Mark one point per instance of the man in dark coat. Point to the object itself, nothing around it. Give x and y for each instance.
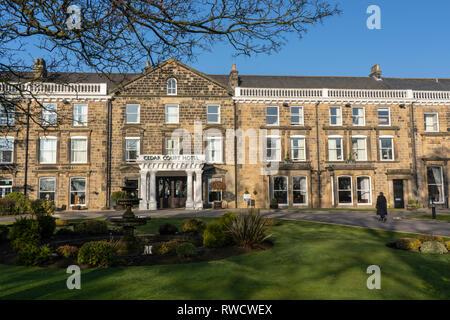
(382, 207)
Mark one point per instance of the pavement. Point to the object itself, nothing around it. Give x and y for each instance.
(397, 220)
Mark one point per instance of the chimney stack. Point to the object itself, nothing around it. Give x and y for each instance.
(39, 69)
(234, 77)
(376, 72)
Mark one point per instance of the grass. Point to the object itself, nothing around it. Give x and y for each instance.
(309, 261)
(440, 217)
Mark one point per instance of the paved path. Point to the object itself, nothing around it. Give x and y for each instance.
(365, 219)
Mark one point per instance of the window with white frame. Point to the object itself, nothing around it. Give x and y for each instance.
(280, 190)
(435, 181)
(273, 148)
(47, 150)
(78, 191)
(172, 146)
(5, 187)
(49, 115)
(172, 86)
(431, 122)
(80, 114)
(298, 148)
(358, 116)
(384, 116)
(359, 148)
(6, 149)
(297, 117)
(335, 116)
(386, 148)
(132, 147)
(47, 188)
(272, 115)
(214, 195)
(7, 115)
(335, 148)
(213, 114)
(78, 149)
(364, 190)
(345, 190)
(214, 149)
(172, 113)
(132, 113)
(299, 191)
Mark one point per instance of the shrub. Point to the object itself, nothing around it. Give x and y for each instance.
(64, 232)
(169, 247)
(41, 207)
(249, 230)
(67, 251)
(193, 225)
(24, 231)
(433, 247)
(7, 207)
(47, 225)
(91, 227)
(227, 217)
(61, 223)
(447, 245)
(186, 250)
(33, 255)
(21, 202)
(97, 254)
(426, 238)
(214, 236)
(4, 230)
(270, 222)
(408, 244)
(167, 229)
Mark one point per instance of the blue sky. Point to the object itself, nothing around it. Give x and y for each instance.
(414, 41)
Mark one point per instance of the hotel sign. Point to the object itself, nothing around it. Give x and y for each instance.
(173, 158)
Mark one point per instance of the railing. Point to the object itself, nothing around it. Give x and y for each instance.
(432, 95)
(54, 88)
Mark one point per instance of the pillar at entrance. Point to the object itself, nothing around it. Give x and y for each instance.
(189, 202)
(152, 201)
(143, 202)
(198, 190)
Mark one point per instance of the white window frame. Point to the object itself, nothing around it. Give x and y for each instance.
(301, 137)
(172, 91)
(166, 148)
(4, 187)
(442, 185)
(363, 116)
(72, 149)
(306, 191)
(85, 192)
(138, 113)
(209, 150)
(10, 117)
(46, 113)
(287, 189)
(301, 116)
(278, 116)
(12, 150)
(54, 191)
(338, 124)
(342, 147)
(210, 180)
(278, 158)
(365, 146)
(351, 190)
(208, 113)
(138, 147)
(40, 149)
(381, 149)
(437, 121)
(167, 106)
(76, 123)
(370, 191)
(378, 116)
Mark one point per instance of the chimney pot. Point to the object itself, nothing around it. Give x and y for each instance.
(234, 77)
(376, 72)
(39, 69)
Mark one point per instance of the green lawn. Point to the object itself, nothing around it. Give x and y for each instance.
(309, 261)
(441, 217)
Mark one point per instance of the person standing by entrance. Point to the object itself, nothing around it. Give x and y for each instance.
(382, 207)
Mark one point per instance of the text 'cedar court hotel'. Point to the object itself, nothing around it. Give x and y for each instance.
(171, 131)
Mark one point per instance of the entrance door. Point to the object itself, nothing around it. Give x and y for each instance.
(399, 202)
(171, 192)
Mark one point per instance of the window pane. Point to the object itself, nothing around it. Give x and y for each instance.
(299, 190)
(80, 114)
(132, 113)
(271, 115)
(383, 116)
(363, 188)
(344, 190)
(47, 150)
(6, 116)
(172, 114)
(77, 191)
(280, 189)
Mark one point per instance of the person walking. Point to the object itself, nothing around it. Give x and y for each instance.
(382, 207)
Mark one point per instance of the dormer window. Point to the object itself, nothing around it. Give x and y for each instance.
(172, 86)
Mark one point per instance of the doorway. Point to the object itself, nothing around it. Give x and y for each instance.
(399, 200)
(171, 192)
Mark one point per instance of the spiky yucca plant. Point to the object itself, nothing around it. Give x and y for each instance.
(248, 230)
